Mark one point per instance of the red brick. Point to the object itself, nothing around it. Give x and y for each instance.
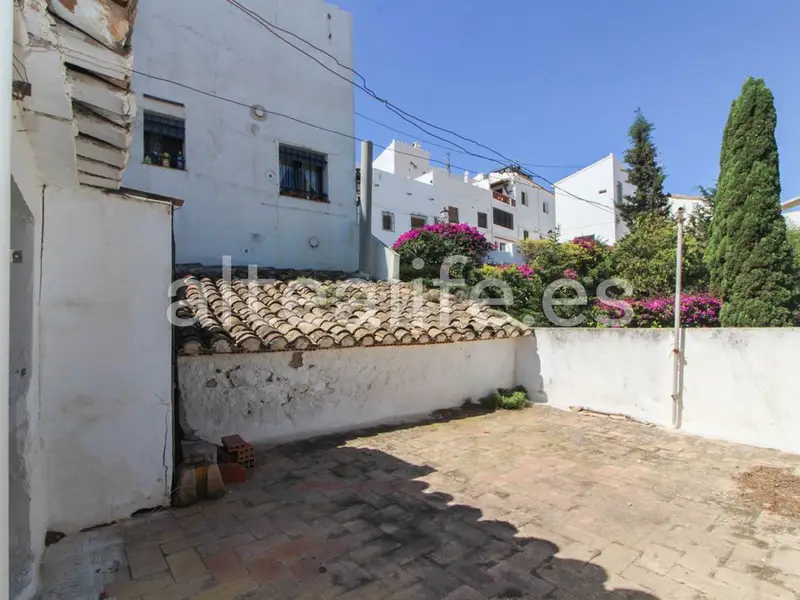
(226, 567)
(233, 473)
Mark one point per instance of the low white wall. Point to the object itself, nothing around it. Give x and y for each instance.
(106, 403)
(742, 385)
(739, 385)
(625, 371)
(283, 396)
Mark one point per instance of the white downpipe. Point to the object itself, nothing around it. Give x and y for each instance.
(6, 106)
(677, 358)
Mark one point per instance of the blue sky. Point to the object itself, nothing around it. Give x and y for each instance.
(556, 83)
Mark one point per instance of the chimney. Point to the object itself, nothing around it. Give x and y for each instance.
(466, 176)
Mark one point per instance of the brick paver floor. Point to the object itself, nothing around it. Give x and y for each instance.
(532, 504)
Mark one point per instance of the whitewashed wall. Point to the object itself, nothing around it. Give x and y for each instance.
(739, 385)
(292, 395)
(231, 183)
(27, 484)
(106, 404)
(596, 183)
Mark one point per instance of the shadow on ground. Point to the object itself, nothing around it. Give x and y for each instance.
(381, 533)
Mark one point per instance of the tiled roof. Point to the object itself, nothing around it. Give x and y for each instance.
(240, 315)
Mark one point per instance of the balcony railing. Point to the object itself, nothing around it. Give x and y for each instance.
(505, 199)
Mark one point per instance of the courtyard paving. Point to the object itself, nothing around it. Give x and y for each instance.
(533, 504)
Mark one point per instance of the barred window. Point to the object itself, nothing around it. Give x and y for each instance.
(164, 141)
(303, 173)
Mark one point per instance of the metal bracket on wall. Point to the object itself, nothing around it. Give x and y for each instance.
(16, 256)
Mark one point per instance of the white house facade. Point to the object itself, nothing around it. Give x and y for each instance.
(408, 193)
(261, 184)
(587, 200)
(90, 377)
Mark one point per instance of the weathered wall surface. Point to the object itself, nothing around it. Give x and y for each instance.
(231, 182)
(106, 407)
(292, 395)
(739, 385)
(624, 371)
(27, 489)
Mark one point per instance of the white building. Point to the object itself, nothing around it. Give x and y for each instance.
(587, 201)
(262, 188)
(90, 377)
(408, 192)
(791, 212)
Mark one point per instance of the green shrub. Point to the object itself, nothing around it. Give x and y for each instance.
(645, 258)
(526, 289)
(507, 399)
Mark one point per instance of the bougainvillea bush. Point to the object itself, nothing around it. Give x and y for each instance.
(696, 311)
(432, 244)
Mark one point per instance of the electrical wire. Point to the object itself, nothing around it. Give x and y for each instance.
(406, 116)
(98, 62)
(435, 145)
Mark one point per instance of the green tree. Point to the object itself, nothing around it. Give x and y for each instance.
(646, 258)
(645, 173)
(749, 255)
(794, 239)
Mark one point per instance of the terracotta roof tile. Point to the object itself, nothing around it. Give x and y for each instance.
(241, 315)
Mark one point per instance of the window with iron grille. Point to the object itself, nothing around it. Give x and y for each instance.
(418, 221)
(164, 139)
(387, 219)
(452, 214)
(503, 218)
(483, 221)
(303, 173)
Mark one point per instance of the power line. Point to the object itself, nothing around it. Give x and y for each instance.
(392, 107)
(99, 62)
(434, 144)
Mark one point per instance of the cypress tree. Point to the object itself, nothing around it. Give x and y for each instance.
(749, 255)
(645, 173)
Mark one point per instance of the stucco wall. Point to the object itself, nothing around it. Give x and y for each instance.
(577, 218)
(27, 486)
(106, 416)
(282, 396)
(626, 371)
(739, 385)
(231, 183)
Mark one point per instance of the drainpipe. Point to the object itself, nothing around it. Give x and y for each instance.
(677, 358)
(6, 59)
(365, 209)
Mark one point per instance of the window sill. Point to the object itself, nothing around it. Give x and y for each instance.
(304, 196)
(165, 168)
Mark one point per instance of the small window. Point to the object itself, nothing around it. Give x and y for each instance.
(545, 209)
(620, 197)
(303, 173)
(483, 221)
(524, 199)
(164, 141)
(502, 246)
(452, 214)
(525, 234)
(503, 218)
(418, 222)
(388, 221)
